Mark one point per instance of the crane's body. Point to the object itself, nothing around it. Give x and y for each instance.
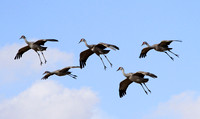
(36, 46)
(98, 49)
(60, 72)
(137, 77)
(161, 47)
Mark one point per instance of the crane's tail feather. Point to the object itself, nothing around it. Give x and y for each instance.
(106, 51)
(43, 48)
(145, 80)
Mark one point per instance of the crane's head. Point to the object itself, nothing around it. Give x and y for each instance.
(120, 68)
(22, 37)
(82, 40)
(46, 72)
(144, 43)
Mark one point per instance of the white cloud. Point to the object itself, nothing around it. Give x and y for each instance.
(29, 63)
(44, 99)
(48, 100)
(183, 106)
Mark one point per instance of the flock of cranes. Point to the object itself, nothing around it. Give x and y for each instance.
(99, 49)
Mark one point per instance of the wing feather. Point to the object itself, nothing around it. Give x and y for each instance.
(46, 76)
(21, 51)
(69, 67)
(144, 51)
(139, 73)
(123, 87)
(167, 42)
(105, 45)
(84, 56)
(43, 41)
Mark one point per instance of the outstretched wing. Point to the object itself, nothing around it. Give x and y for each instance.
(21, 51)
(105, 45)
(46, 76)
(84, 56)
(123, 87)
(167, 42)
(140, 73)
(67, 68)
(43, 41)
(144, 52)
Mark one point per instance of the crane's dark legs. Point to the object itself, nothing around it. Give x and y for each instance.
(39, 57)
(147, 87)
(144, 89)
(43, 57)
(169, 56)
(108, 60)
(173, 53)
(73, 76)
(102, 62)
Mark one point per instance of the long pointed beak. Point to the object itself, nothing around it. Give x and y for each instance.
(44, 73)
(79, 41)
(117, 69)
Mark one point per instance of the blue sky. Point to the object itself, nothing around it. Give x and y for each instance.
(123, 23)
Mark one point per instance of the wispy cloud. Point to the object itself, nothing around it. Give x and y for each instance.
(183, 106)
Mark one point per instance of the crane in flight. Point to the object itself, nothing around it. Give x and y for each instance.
(60, 72)
(98, 49)
(137, 77)
(36, 46)
(161, 47)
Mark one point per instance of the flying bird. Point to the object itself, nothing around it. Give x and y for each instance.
(36, 46)
(137, 77)
(60, 72)
(161, 47)
(98, 49)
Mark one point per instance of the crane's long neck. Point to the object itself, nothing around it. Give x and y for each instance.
(124, 73)
(26, 40)
(147, 44)
(86, 44)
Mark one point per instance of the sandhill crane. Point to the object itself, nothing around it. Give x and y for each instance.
(36, 46)
(60, 72)
(137, 77)
(98, 49)
(161, 47)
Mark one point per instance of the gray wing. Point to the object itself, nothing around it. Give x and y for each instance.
(67, 68)
(123, 87)
(105, 45)
(46, 76)
(142, 73)
(144, 51)
(43, 41)
(84, 56)
(21, 51)
(167, 42)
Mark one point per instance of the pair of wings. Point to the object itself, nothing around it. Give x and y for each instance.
(163, 43)
(61, 70)
(85, 54)
(22, 50)
(125, 83)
